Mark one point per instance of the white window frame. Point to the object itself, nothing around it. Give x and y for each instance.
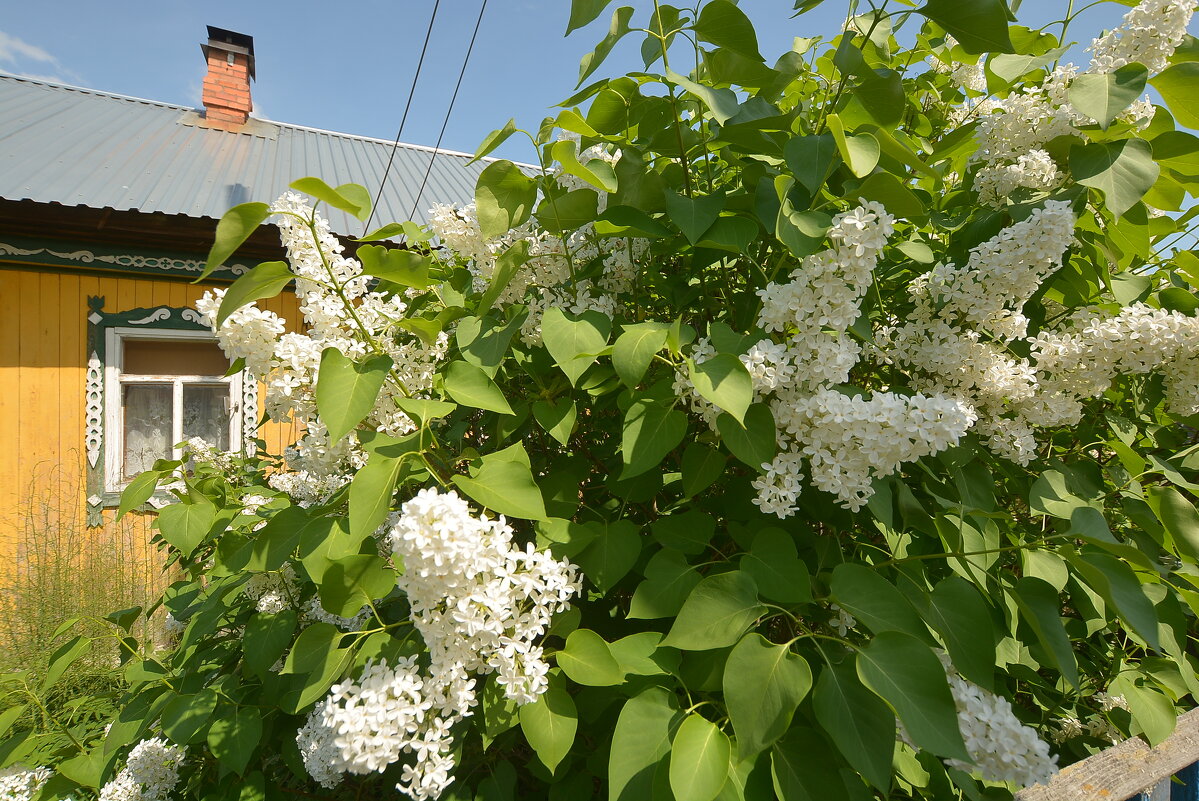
(114, 407)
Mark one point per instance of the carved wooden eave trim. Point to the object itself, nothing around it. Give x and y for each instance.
(62, 255)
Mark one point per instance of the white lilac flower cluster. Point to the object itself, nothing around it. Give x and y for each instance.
(1032, 170)
(1012, 126)
(19, 783)
(955, 347)
(150, 774)
(550, 276)
(954, 341)
(480, 602)
(341, 312)
(594, 153)
(251, 502)
(546, 280)
(842, 621)
(825, 291)
(313, 612)
(306, 488)
(1097, 726)
(458, 229)
(478, 599)
(1013, 130)
(1001, 748)
(1065, 729)
(849, 440)
(366, 725)
(173, 627)
(201, 450)
(274, 591)
(1149, 34)
(1101, 728)
(553, 275)
(971, 77)
(843, 440)
(1109, 703)
(1000, 275)
(1082, 360)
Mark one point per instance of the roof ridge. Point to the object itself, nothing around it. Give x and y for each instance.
(89, 91)
(379, 140)
(178, 107)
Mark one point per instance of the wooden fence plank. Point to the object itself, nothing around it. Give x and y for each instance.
(1123, 770)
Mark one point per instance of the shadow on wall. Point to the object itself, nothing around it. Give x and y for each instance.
(54, 568)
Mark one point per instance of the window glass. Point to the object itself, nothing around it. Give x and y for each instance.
(206, 413)
(174, 357)
(147, 434)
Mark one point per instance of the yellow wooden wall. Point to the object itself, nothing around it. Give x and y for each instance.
(43, 343)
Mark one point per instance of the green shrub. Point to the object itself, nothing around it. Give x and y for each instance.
(804, 429)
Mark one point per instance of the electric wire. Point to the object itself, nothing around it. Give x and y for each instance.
(449, 110)
(403, 119)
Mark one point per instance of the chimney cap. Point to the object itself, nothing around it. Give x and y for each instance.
(225, 40)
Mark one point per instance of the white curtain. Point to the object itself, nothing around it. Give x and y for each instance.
(147, 426)
(206, 413)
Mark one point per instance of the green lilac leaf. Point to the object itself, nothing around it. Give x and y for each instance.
(716, 613)
(233, 229)
(907, 674)
(699, 759)
(346, 390)
(264, 281)
(763, 686)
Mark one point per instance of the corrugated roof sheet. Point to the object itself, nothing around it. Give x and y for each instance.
(81, 147)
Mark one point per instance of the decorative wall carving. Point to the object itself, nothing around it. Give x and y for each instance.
(122, 260)
(249, 411)
(94, 395)
(156, 316)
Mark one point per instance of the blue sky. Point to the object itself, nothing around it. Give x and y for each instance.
(348, 66)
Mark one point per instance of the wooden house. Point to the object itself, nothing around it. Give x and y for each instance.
(107, 209)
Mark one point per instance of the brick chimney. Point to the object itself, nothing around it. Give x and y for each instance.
(226, 94)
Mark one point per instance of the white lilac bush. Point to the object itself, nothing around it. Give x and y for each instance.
(813, 429)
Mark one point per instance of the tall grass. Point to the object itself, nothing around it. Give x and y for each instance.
(56, 568)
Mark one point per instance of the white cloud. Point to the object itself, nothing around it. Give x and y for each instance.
(13, 50)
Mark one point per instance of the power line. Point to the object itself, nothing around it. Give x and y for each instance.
(448, 111)
(403, 119)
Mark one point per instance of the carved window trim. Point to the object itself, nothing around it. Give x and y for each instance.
(105, 331)
(115, 382)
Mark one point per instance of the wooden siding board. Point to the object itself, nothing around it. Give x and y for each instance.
(177, 295)
(47, 472)
(38, 380)
(11, 289)
(72, 384)
(122, 298)
(30, 386)
(144, 293)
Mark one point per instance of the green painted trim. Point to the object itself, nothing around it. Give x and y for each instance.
(98, 323)
(102, 258)
(159, 317)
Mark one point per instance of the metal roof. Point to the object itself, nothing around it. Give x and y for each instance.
(81, 147)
